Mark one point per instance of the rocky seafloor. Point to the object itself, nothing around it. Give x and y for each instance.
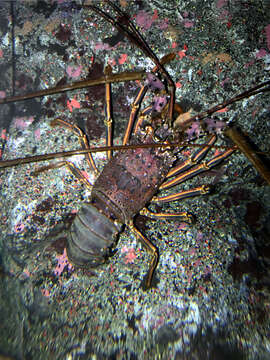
(210, 296)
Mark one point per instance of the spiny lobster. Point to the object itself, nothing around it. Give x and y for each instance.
(145, 163)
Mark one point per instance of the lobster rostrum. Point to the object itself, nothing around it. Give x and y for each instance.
(146, 164)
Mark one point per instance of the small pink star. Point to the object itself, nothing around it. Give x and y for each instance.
(130, 256)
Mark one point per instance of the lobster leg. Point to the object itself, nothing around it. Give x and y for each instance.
(184, 216)
(197, 169)
(152, 249)
(83, 140)
(70, 166)
(200, 190)
(141, 117)
(134, 110)
(193, 159)
(108, 112)
(137, 102)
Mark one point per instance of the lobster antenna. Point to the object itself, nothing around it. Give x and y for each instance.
(135, 37)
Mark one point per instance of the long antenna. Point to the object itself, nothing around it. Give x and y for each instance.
(129, 30)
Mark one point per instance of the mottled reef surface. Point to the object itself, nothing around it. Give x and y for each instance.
(210, 297)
